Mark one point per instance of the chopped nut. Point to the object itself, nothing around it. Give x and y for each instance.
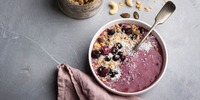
(147, 9)
(121, 4)
(150, 7)
(104, 79)
(107, 43)
(134, 30)
(80, 2)
(128, 26)
(138, 5)
(100, 40)
(112, 65)
(138, 37)
(97, 46)
(118, 28)
(133, 26)
(138, 2)
(137, 31)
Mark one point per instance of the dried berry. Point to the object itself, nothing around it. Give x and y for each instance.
(105, 50)
(128, 31)
(96, 54)
(135, 15)
(119, 45)
(111, 31)
(116, 57)
(125, 15)
(114, 50)
(102, 71)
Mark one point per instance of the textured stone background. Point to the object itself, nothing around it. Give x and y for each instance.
(27, 73)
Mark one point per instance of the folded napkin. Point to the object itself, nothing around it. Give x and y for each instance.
(75, 85)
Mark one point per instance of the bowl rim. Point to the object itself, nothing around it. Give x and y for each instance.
(154, 32)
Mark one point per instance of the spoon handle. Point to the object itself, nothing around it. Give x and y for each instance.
(140, 43)
(161, 17)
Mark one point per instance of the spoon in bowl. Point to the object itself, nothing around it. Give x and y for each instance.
(161, 17)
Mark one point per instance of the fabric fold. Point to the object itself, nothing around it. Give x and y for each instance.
(76, 85)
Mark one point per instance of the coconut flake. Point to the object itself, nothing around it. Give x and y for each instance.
(146, 46)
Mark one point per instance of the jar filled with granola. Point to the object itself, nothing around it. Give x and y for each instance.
(80, 9)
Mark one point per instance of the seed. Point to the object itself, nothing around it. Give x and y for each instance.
(125, 15)
(135, 15)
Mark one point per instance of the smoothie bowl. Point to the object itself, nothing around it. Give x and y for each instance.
(117, 67)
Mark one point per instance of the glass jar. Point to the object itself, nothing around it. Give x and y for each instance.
(80, 10)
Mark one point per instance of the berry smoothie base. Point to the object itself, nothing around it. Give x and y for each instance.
(118, 67)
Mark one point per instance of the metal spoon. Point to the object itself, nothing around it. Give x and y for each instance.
(162, 16)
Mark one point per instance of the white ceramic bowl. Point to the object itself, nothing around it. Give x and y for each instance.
(138, 23)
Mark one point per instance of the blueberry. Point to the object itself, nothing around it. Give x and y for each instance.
(123, 58)
(112, 74)
(114, 50)
(119, 45)
(107, 58)
(123, 29)
(111, 31)
(133, 36)
(142, 30)
(120, 53)
(116, 57)
(128, 31)
(102, 71)
(96, 54)
(105, 50)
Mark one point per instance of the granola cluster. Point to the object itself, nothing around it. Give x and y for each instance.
(81, 2)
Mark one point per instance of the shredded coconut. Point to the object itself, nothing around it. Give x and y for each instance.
(146, 46)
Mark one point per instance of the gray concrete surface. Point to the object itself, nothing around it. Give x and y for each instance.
(27, 73)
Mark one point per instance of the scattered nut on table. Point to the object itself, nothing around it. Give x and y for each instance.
(129, 3)
(114, 7)
(135, 15)
(125, 15)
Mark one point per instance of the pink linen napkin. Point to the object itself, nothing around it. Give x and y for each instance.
(75, 85)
